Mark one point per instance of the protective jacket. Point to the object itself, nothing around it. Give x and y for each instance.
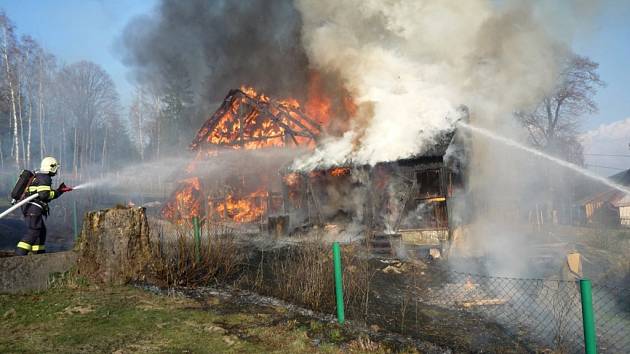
(34, 212)
(42, 185)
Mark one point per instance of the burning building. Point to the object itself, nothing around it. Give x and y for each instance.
(408, 196)
(245, 121)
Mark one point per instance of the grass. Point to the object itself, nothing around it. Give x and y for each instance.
(87, 319)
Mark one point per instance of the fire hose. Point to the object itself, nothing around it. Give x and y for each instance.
(19, 204)
(28, 199)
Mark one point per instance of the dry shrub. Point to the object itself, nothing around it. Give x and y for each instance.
(300, 274)
(364, 344)
(303, 274)
(179, 263)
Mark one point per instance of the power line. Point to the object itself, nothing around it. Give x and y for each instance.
(611, 155)
(610, 168)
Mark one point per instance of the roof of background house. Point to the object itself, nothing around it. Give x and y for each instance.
(606, 194)
(622, 178)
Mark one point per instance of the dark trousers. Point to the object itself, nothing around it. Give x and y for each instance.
(35, 237)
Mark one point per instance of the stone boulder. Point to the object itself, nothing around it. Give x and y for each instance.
(114, 246)
(33, 272)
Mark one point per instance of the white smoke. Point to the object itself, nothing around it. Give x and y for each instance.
(410, 64)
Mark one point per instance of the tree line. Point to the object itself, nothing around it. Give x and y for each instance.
(70, 111)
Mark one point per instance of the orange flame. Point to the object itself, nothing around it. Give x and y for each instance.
(318, 105)
(251, 120)
(246, 209)
(241, 126)
(186, 203)
(291, 179)
(339, 171)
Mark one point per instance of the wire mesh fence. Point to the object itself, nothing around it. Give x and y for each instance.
(612, 318)
(540, 314)
(461, 311)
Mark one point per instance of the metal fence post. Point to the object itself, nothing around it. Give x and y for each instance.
(197, 233)
(338, 282)
(588, 319)
(75, 220)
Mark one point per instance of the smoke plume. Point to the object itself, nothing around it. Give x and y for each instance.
(218, 45)
(410, 64)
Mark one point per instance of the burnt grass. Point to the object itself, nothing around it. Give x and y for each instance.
(396, 306)
(388, 305)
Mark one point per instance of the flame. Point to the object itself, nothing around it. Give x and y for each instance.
(242, 127)
(186, 201)
(318, 105)
(339, 171)
(291, 179)
(249, 120)
(246, 209)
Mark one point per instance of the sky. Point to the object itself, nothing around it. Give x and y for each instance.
(89, 30)
(76, 30)
(607, 132)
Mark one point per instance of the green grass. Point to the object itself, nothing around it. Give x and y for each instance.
(87, 319)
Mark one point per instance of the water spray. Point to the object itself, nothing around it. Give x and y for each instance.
(84, 185)
(493, 136)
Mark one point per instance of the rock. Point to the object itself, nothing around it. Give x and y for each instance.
(33, 272)
(114, 246)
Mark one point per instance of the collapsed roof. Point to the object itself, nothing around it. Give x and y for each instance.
(247, 120)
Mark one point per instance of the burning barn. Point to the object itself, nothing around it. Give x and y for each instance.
(245, 121)
(408, 196)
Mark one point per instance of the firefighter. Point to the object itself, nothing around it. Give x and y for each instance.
(36, 210)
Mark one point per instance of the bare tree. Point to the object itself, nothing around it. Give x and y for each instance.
(8, 49)
(73, 111)
(145, 114)
(139, 117)
(90, 96)
(553, 124)
(30, 51)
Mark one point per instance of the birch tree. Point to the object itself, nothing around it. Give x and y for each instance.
(8, 50)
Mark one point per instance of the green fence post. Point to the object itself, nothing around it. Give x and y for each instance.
(197, 232)
(338, 282)
(75, 220)
(588, 319)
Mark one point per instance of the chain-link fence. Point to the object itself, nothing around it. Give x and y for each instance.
(423, 300)
(612, 318)
(543, 313)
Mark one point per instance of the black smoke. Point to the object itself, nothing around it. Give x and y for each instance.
(206, 47)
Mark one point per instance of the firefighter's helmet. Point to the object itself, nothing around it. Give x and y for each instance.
(49, 165)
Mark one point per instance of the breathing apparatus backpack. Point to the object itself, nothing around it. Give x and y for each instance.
(25, 179)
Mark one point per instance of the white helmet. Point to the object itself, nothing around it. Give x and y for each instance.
(50, 165)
